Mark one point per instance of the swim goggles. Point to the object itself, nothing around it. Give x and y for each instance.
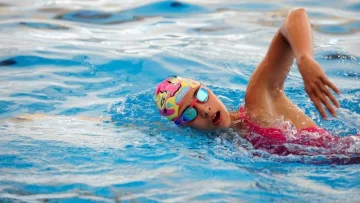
(190, 112)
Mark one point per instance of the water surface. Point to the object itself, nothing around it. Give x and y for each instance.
(68, 61)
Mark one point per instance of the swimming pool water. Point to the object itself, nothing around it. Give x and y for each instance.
(87, 70)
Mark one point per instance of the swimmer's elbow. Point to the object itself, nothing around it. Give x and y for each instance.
(293, 18)
(296, 14)
(297, 10)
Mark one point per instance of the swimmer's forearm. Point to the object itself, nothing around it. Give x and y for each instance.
(297, 30)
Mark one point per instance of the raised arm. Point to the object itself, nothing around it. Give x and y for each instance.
(297, 31)
(294, 41)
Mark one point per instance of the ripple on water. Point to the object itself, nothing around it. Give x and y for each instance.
(27, 61)
(353, 7)
(6, 106)
(258, 6)
(7, 62)
(314, 14)
(214, 30)
(38, 25)
(339, 56)
(164, 8)
(35, 25)
(311, 3)
(344, 28)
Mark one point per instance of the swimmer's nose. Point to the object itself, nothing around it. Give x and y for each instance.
(203, 109)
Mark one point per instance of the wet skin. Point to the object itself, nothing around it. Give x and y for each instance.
(265, 99)
(206, 119)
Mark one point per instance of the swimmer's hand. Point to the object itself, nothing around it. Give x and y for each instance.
(317, 85)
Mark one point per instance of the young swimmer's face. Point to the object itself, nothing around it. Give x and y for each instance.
(211, 115)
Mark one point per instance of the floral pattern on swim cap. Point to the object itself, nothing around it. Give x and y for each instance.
(170, 92)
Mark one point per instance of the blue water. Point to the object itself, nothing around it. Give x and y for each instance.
(85, 71)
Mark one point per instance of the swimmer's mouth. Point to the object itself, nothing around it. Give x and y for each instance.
(217, 118)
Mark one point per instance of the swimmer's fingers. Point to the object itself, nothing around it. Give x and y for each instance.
(331, 85)
(317, 104)
(324, 100)
(327, 92)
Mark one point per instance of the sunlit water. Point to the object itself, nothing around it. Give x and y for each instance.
(73, 60)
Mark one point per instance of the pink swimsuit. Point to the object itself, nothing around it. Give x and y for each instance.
(274, 140)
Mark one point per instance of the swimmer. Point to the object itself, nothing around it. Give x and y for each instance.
(189, 103)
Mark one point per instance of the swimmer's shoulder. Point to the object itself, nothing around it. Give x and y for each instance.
(257, 114)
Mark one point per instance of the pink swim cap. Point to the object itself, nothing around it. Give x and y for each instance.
(170, 92)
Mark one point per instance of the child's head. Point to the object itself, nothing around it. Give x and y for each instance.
(189, 103)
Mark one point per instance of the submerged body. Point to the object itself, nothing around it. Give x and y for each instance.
(275, 139)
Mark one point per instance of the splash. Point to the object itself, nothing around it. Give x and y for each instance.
(311, 145)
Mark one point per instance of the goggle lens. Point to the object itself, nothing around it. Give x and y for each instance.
(189, 115)
(202, 95)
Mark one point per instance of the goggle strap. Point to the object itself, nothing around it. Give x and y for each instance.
(192, 103)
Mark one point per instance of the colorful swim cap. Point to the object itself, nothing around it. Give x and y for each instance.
(170, 92)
